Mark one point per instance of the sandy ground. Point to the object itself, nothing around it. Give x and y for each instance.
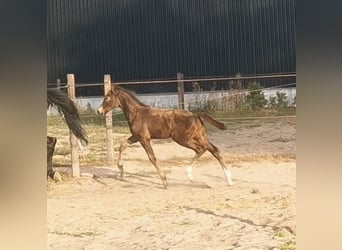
(258, 212)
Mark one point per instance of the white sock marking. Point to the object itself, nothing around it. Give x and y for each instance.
(189, 173)
(229, 177)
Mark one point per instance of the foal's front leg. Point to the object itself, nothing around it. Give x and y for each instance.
(123, 147)
(148, 148)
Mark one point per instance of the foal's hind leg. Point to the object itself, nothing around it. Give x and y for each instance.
(215, 152)
(189, 168)
(148, 148)
(123, 147)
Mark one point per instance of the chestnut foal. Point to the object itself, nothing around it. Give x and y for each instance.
(146, 123)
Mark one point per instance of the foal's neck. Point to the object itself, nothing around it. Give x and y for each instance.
(129, 106)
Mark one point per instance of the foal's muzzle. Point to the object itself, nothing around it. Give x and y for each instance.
(100, 111)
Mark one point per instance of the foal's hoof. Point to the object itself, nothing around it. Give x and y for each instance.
(119, 176)
(121, 171)
(57, 176)
(164, 183)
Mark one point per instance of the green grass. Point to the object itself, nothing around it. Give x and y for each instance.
(285, 243)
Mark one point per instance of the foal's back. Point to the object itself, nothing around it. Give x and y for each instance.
(165, 123)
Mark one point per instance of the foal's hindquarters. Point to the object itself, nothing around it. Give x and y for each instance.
(195, 138)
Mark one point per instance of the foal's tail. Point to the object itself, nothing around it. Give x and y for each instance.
(212, 121)
(68, 108)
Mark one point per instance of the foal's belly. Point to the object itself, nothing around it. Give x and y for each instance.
(159, 134)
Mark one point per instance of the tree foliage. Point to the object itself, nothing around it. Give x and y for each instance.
(255, 99)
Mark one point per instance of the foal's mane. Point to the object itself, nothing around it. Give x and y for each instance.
(130, 95)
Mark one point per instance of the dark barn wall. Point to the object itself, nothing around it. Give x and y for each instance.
(155, 39)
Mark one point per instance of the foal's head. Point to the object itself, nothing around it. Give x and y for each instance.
(109, 102)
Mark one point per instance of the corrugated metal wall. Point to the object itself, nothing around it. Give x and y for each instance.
(155, 39)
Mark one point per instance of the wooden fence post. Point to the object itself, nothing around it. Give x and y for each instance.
(238, 81)
(58, 83)
(180, 88)
(75, 164)
(109, 123)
